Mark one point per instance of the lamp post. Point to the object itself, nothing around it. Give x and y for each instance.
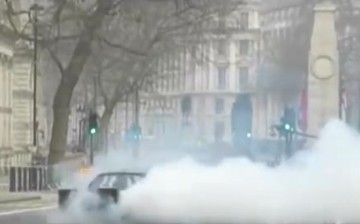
(136, 123)
(126, 112)
(35, 8)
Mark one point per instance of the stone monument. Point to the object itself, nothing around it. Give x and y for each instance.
(323, 78)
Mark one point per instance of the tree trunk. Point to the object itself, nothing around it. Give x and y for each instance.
(61, 110)
(61, 106)
(104, 124)
(69, 79)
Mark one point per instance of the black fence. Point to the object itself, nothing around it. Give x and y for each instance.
(23, 179)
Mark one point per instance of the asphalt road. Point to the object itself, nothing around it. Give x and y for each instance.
(46, 215)
(29, 216)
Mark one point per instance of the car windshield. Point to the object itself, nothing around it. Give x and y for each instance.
(119, 181)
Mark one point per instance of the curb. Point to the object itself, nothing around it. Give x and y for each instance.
(33, 198)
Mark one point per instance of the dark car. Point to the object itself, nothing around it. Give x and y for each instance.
(107, 186)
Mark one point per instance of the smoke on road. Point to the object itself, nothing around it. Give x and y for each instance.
(317, 185)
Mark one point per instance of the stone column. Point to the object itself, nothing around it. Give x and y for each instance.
(323, 78)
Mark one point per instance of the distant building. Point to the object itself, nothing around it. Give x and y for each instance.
(194, 102)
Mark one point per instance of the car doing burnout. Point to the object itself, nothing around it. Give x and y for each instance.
(107, 186)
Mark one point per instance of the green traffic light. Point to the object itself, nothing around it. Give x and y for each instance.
(92, 131)
(287, 127)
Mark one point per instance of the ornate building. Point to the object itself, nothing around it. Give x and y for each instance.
(16, 95)
(194, 102)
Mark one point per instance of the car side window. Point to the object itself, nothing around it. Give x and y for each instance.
(108, 181)
(119, 181)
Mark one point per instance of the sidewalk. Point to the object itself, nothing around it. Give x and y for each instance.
(22, 201)
(8, 197)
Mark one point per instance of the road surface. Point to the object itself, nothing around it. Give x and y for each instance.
(27, 216)
(48, 215)
(29, 211)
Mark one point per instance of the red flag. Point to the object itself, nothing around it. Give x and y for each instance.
(303, 110)
(343, 102)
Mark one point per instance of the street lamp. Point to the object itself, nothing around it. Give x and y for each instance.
(136, 124)
(93, 129)
(35, 8)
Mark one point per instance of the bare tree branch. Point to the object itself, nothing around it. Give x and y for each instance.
(122, 47)
(56, 60)
(11, 13)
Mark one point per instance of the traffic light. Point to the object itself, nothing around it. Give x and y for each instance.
(241, 121)
(134, 134)
(93, 123)
(186, 106)
(288, 121)
(248, 135)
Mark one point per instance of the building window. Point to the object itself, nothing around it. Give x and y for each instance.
(244, 20)
(243, 76)
(222, 76)
(219, 131)
(222, 21)
(222, 47)
(219, 106)
(186, 106)
(244, 47)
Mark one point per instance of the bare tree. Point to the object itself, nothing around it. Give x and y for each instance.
(71, 30)
(82, 21)
(148, 33)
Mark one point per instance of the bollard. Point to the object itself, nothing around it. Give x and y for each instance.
(33, 179)
(25, 178)
(41, 178)
(40, 182)
(19, 179)
(45, 178)
(12, 179)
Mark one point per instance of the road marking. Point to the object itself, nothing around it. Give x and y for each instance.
(27, 210)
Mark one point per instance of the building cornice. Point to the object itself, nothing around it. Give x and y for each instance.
(23, 50)
(22, 125)
(197, 93)
(23, 94)
(281, 5)
(6, 151)
(5, 110)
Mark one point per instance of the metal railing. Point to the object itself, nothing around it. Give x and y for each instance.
(18, 173)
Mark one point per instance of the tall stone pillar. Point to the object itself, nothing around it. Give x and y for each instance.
(323, 78)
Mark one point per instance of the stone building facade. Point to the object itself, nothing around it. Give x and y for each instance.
(213, 73)
(16, 96)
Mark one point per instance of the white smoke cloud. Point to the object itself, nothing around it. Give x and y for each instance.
(321, 184)
(318, 185)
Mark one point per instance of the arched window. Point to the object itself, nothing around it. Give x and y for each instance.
(241, 116)
(186, 106)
